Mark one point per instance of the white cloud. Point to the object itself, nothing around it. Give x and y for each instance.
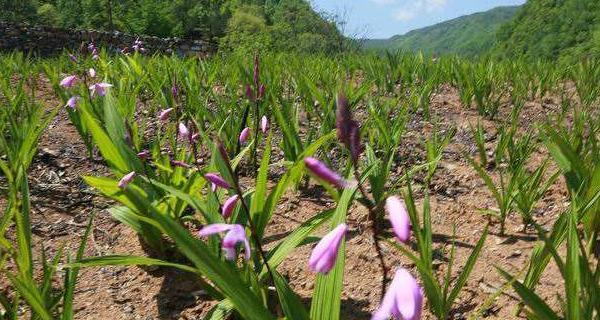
(433, 5)
(404, 14)
(417, 7)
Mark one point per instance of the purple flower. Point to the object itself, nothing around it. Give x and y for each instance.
(164, 114)
(175, 91)
(235, 234)
(323, 256)
(69, 81)
(229, 205)
(126, 179)
(261, 91)
(244, 135)
(144, 155)
(184, 132)
(92, 72)
(399, 218)
(72, 102)
(403, 300)
(73, 58)
(320, 170)
(343, 118)
(217, 180)
(181, 164)
(348, 131)
(264, 124)
(249, 93)
(256, 73)
(99, 88)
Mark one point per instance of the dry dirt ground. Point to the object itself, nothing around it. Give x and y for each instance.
(62, 203)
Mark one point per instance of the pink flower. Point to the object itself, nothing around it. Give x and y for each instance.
(126, 179)
(72, 102)
(163, 115)
(261, 91)
(235, 234)
(92, 72)
(99, 88)
(217, 181)
(403, 300)
(399, 218)
(184, 132)
(322, 172)
(144, 155)
(264, 124)
(69, 81)
(229, 205)
(196, 136)
(244, 135)
(322, 259)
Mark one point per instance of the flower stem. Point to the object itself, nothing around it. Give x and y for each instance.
(374, 230)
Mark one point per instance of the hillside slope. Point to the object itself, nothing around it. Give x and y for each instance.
(551, 29)
(467, 35)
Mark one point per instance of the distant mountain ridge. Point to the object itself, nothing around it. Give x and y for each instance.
(469, 35)
(565, 30)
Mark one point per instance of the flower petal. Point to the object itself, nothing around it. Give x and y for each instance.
(229, 205)
(214, 228)
(408, 295)
(323, 172)
(399, 218)
(323, 256)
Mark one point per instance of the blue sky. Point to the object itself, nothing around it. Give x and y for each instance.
(385, 18)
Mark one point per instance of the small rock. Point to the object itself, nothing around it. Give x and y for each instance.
(516, 253)
(49, 152)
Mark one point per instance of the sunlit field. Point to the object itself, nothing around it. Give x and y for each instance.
(297, 186)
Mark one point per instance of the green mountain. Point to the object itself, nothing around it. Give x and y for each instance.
(552, 29)
(469, 35)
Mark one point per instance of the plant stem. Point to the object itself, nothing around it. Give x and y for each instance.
(256, 124)
(254, 234)
(374, 230)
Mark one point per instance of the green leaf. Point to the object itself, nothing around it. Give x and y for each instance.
(276, 255)
(573, 275)
(326, 300)
(71, 276)
(290, 302)
(258, 199)
(122, 260)
(222, 275)
(222, 311)
(466, 270)
(105, 144)
(30, 293)
(532, 300)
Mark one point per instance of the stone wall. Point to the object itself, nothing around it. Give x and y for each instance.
(47, 41)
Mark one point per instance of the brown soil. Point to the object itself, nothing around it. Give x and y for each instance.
(62, 204)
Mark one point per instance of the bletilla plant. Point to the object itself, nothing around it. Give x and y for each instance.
(202, 153)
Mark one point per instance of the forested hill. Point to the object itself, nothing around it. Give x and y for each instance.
(469, 35)
(289, 25)
(551, 29)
